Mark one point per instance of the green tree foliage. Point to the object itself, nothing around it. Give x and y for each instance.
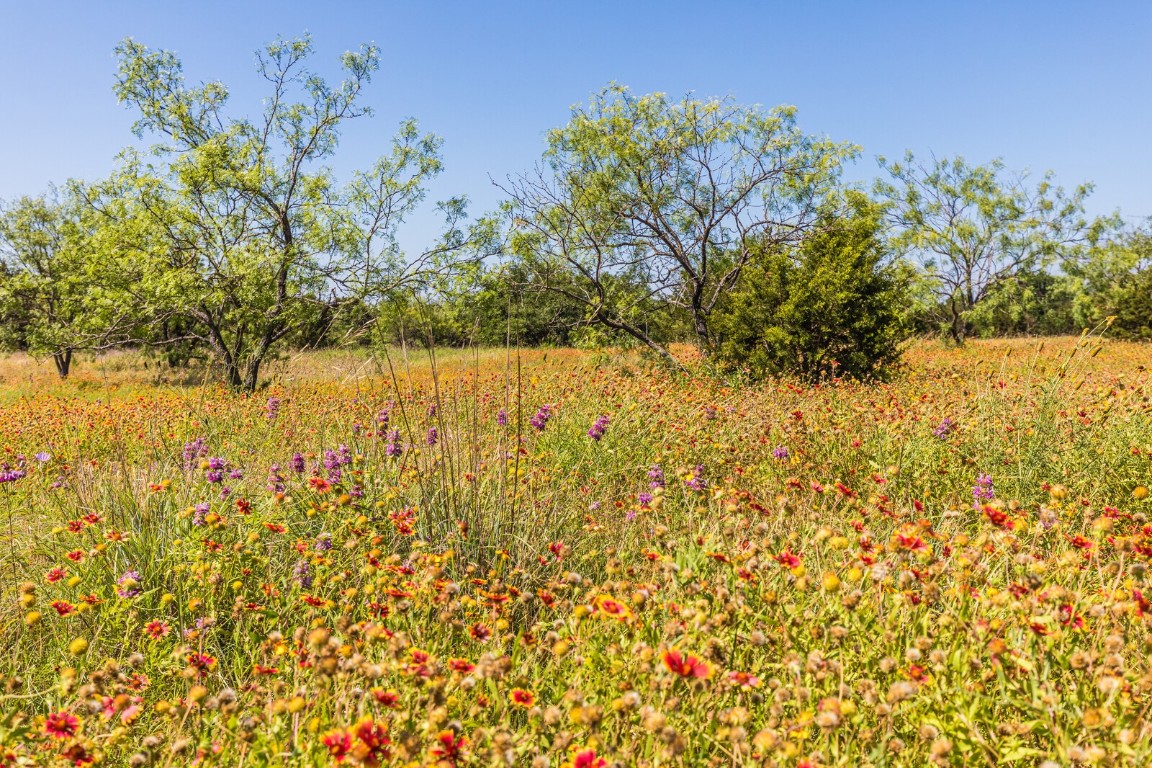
(644, 203)
(48, 292)
(1034, 303)
(976, 228)
(1116, 281)
(834, 305)
(238, 229)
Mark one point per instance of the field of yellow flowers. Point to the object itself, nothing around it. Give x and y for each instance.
(567, 558)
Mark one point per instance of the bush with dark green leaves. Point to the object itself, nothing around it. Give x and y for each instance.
(836, 305)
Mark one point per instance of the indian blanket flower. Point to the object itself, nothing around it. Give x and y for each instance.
(522, 698)
(540, 420)
(686, 665)
(609, 606)
(61, 725)
(449, 747)
(585, 757)
(339, 743)
(372, 747)
(598, 428)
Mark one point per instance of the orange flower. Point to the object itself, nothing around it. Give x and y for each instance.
(687, 665)
(610, 606)
(319, 484)
(522, 698)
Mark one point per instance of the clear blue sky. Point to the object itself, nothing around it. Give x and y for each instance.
(1057, 85)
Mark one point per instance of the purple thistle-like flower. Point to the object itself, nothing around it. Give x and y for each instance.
(275, 479)
(323, 542)
(393, 449)
(214, 476)
(944, 428)
(193, 450)
(236, 474)
(335, 475)
(272, 409)
(302, 573)
(225, 492)
(198, 513)
(780, 452)
(344, 455)
(128, 585)
(42, 457)
(983, 490)
(540, 420)
(217, 463)
(597, 430)
(656, 477)
(502, 418)
(644, 498)
(432, 437)
(11, 475)
(383, 417)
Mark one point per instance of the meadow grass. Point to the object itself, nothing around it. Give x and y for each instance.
(556, 557)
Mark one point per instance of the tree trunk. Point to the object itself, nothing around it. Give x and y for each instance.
(63, 362)
(252, 375)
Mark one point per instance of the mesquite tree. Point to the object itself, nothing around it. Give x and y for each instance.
(238, 227)
(643, 202)
(974, 228)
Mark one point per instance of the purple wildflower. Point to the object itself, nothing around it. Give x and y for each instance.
(502, 418)
(780, 452)
(697, 481)
(198, 513)
(433, 436)
(597, 430)
(944, 428)
(298, 463)
(656, 477)
(983, 490)
(540, 420)
(128, 585)
(272, 410)
(42, 457)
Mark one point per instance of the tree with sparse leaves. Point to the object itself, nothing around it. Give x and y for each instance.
(644, 203)
(237, 227)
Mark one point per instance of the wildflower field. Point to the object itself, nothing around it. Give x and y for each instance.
(558, 557)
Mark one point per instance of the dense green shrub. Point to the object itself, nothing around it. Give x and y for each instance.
(836, 305)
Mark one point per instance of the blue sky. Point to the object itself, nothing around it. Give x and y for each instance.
(1045, 85)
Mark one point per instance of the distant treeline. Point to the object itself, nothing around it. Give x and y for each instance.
(649, 220)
